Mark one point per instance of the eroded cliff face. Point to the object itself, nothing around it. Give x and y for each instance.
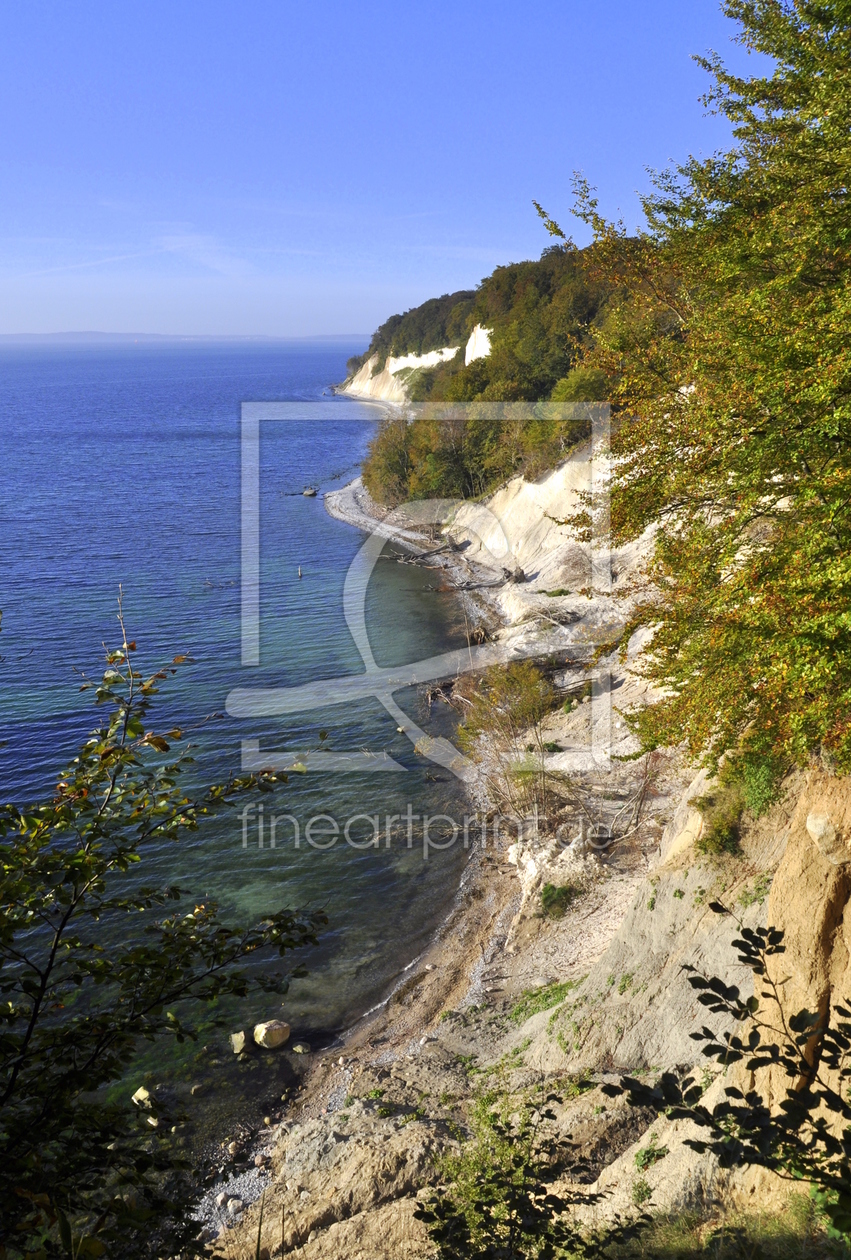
(811, 898)
(348, 1173)
(803, 847)
(478, 345)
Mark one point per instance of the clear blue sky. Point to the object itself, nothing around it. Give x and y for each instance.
(268, 167)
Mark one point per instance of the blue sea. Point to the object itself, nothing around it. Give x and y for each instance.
(121, 470)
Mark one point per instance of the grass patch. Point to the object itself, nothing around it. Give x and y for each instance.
(757, 893)
(797, 1230)
(557, 899)
(536, 1000)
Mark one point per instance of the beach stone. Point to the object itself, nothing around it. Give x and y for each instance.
(271, 1034)
(237, 1041)
(235, 1206)
(142, 1098)
(301, 1047)
(222, 1198)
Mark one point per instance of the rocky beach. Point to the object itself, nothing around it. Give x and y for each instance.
(341, 1173)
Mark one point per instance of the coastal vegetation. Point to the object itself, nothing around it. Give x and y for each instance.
(95, 961)
(719, 335)
(728, 355)
(540, 314)
(723, 344)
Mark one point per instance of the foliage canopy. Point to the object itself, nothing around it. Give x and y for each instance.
(726, 344)
(434, 324)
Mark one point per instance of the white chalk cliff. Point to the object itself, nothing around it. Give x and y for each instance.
(478, 345)
(390, 384)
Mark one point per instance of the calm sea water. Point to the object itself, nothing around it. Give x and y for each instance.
(121, 466)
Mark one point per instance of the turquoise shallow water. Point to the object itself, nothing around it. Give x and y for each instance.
(121, 465)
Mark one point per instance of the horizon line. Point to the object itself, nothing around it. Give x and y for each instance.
(140, 336)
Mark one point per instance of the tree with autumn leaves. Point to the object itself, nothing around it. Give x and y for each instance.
(96, 961)
(728, 347)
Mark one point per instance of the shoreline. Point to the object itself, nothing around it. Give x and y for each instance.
(438, 972)
(454, 1002)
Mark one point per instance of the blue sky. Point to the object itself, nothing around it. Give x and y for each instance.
(267, 167)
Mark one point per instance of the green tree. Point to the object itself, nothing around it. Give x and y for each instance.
(387, 471)
(727, 344)
(92, 962)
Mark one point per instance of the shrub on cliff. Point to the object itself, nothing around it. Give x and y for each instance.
(496, 1198)
(92, 961)
(502, 707)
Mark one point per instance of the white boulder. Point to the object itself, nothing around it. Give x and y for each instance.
(271, 1034)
